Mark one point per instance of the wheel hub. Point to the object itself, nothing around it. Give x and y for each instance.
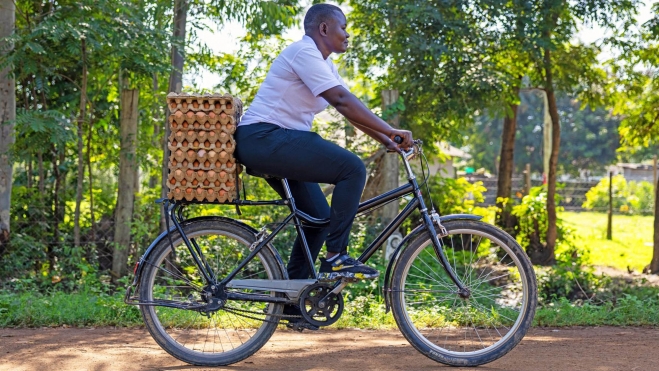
(215, 298)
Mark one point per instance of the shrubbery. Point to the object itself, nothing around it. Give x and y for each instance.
(457, 196)
(628, 197)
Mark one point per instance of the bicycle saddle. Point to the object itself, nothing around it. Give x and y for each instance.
(253, 172)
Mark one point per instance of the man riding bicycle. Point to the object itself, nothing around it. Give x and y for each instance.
(274, 138)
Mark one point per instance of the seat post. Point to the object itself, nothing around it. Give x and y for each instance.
(287, 189)
(298, 227)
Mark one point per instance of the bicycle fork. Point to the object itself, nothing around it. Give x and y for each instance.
(431, 220)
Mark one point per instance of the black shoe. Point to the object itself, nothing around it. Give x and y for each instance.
(298, 324)
(346, 267)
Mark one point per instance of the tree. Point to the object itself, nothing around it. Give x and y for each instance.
(559, 66)
(127, 174)
(7, 116)
(436, 54)
(66, 57)
(637, 99)
(589, 141)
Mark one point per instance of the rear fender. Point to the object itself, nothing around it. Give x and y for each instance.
(405, 242)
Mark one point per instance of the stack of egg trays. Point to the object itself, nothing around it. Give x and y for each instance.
(202, 167)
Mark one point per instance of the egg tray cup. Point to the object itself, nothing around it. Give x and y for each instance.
(204, 194)
(201, 120)
(215, 103)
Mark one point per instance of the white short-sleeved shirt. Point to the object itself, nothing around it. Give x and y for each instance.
(289, 96)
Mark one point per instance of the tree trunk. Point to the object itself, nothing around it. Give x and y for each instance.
(126, 193)
(81, 163)
(504, 217)
(654, 264)
(175, 85)
(154, 178)
(41, 173)
(92, 231)
(59, 156)
(385, 174)
(549, 256)
(7, 114)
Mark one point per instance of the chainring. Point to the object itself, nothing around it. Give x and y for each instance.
(317, 311)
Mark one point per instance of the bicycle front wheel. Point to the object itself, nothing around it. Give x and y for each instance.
(465, 331)
(178, 317)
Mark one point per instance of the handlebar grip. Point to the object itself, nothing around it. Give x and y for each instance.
(398, 139)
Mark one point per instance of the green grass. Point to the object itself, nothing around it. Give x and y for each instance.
(29, 309)
(628, 311)
(631, 245)
(84, 310)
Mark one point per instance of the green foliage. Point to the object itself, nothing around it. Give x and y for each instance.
(636, 86)
(457, 196)
(571, 277)
(532, 216)
(438, 55)
(627, 197)
(589, 138)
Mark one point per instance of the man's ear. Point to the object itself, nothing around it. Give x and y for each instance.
(322, 28)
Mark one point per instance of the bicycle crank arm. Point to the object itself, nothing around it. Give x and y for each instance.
(292, 288)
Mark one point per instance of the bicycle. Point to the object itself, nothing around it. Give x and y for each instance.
(461, 291)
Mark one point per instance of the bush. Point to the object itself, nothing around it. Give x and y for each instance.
(457, 196)
(570, 277)
(532, 219)
(628, 197)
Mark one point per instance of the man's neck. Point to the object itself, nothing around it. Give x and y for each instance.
(318, 40)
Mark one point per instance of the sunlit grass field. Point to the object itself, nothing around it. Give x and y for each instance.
(631, 244)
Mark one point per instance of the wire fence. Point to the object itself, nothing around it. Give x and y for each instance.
(628, 198)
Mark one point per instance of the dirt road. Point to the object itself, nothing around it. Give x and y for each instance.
(600, 349)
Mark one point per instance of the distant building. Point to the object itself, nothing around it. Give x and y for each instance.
(452, 155)
(636, 172)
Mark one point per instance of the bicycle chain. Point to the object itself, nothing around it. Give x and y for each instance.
(280, 316)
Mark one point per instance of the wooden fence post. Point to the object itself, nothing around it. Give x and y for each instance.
(527, 179)
(654, 176)
(609, 225)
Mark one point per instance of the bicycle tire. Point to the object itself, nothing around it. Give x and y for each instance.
(221, 337)
(473, 331)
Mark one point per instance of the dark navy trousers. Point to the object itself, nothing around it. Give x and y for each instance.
(306, 159)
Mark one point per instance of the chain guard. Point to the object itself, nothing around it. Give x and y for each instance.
(317, 311)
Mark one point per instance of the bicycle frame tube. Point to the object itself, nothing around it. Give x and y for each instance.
(175, 214)
(256, 250)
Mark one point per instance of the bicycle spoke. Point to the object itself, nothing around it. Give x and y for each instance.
(444, 321)
(178, 279)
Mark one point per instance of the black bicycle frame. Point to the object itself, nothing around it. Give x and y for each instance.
(300, 218)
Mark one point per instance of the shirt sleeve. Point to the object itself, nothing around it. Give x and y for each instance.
(312, 69)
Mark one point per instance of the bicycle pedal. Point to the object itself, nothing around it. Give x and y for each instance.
(300, 326)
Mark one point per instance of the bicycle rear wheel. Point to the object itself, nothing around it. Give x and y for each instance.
(481, 328)
(178, 321)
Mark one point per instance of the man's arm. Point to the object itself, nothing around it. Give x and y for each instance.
(380, 137)
(357, 113)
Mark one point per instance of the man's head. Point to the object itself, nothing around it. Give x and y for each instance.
(326, 24)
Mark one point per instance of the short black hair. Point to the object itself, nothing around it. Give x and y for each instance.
(318, 14)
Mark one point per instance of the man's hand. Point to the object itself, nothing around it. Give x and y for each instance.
(405, 135)
(392, 146)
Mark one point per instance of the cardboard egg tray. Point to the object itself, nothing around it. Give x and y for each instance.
(201, 163)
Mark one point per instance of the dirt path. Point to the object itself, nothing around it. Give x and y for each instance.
(600, 349)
